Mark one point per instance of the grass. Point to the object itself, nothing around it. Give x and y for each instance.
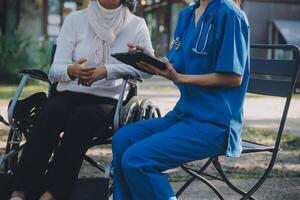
(267, 137)
(7, 92)
(235, 173)
(289, 143)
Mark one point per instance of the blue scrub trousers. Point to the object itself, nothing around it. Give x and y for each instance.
(143, 150)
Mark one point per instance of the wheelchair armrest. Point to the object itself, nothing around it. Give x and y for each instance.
(132, 79)
(27, 73)
(36, 74)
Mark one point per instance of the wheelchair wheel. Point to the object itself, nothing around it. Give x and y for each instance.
(25, 113)
(130, 111)
(148, 110)
(13, 144)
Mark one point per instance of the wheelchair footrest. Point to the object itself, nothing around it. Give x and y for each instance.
(91, 189)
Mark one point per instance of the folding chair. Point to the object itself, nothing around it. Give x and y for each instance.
(23, 113)
(271, 77)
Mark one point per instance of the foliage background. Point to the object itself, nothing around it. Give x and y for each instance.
(22, 42)
(16, 54)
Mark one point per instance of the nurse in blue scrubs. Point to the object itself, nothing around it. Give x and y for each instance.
(209, 63)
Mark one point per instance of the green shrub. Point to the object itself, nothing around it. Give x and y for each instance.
(43, 55)
(13, 57)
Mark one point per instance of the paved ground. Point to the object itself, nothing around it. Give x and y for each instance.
(273, 189)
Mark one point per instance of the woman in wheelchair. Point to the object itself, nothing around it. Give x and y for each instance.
(87, 93)
(210, 67)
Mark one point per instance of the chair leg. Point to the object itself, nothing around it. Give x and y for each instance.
(192, 179)
(263, 178)
(186, 185)
(196, 175)
(218, 167)
(205, 181)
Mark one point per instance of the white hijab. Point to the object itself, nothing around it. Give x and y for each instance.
(107, 24)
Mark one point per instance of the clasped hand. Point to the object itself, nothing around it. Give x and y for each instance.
(86, 75)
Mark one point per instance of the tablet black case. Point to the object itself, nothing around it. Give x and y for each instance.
(131, 58)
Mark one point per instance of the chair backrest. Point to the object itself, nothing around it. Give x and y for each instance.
(272, 76)
(275, 77)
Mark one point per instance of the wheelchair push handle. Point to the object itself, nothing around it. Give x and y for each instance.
(35, 74)
(131, 78)
(27, 74)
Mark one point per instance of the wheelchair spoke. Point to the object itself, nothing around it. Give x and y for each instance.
(12, 150)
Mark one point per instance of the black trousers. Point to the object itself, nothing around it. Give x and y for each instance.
(80, 117)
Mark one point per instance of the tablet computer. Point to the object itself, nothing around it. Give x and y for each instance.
(131, 58)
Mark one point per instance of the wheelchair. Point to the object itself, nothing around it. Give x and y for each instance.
(23, 113)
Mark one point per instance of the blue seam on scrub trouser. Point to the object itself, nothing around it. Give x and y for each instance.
(148, 154)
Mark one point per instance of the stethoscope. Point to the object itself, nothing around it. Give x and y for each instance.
(195, 49)
(177, 42)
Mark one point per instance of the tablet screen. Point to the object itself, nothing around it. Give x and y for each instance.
(131, 58)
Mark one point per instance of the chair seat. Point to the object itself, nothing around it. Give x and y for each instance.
(252, 147)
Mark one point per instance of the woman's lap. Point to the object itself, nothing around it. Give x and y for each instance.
(138, 131)
(180, 143)
(58, 115)
(145, 149)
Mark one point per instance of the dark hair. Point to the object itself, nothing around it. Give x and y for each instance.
(131, 4)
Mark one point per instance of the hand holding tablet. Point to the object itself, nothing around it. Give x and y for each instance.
(132, 58)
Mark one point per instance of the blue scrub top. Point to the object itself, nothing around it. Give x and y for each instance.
(225, 42)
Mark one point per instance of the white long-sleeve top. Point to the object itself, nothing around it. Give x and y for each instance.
(75, 42)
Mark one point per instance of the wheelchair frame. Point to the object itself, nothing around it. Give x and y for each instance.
(145, 111)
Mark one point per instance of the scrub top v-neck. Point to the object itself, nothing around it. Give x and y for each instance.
(222, 35)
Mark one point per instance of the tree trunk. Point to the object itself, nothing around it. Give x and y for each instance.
(10, 18)
(2, 18)
(45, 18)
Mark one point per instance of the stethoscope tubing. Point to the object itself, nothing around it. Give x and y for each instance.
(177, 43)
(195, 49)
